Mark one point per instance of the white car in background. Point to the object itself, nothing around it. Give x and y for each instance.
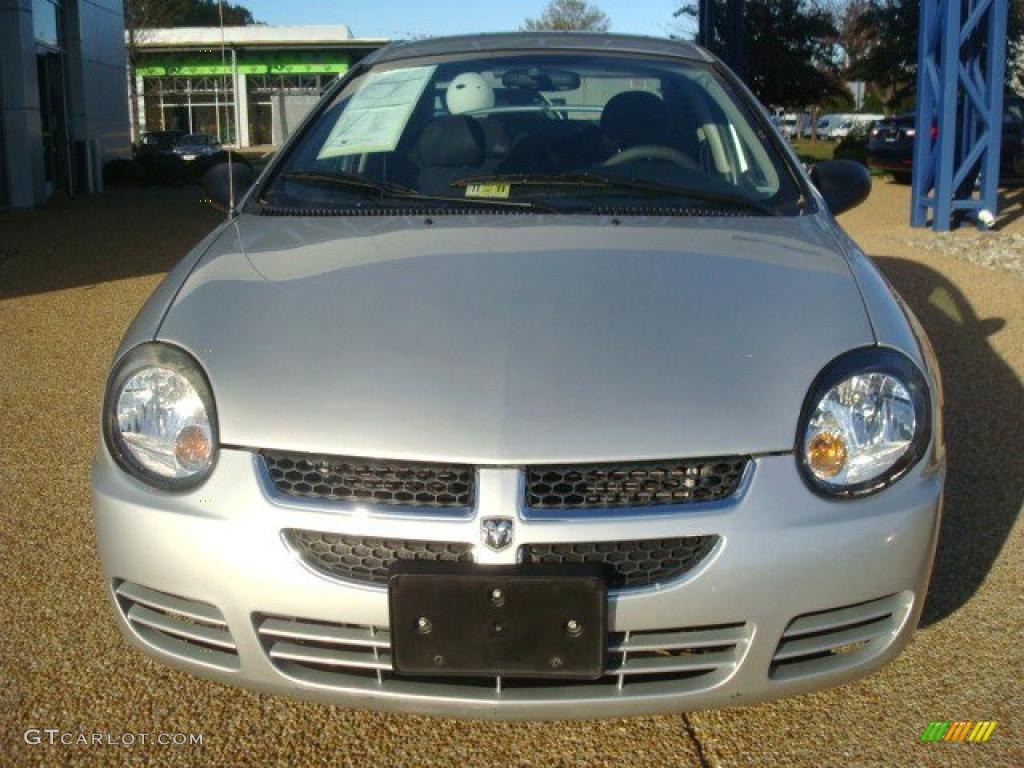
(788, 125)
(851, 124)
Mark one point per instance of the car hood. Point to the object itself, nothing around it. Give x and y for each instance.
(517, 339)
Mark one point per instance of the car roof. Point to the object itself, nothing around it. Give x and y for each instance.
(539, 41)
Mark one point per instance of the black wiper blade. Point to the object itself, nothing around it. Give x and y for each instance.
(348, 180)
(399, 192)
(587, 178)
(694, 193)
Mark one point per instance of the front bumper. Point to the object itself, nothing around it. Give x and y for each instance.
(783, 553)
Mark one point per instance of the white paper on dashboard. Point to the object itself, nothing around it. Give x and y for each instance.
(377, 114)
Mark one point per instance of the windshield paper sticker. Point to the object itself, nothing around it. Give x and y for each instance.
(377, 113)
(491, 189)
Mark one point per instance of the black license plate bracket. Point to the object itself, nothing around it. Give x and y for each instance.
(531, 621)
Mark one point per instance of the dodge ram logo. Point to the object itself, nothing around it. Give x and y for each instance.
(496, 532)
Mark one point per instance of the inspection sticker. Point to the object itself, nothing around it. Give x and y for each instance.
(491, 189)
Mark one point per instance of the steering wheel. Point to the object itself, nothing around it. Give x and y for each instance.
(652, 152)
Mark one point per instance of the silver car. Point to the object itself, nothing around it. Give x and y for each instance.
(533, 378)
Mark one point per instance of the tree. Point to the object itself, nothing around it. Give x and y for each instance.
(890, 59)
(853, 38)
(1015, 67)
(568, 15)
(143, 15)
(791, 47)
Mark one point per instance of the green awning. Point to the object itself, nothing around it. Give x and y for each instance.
(249, 63)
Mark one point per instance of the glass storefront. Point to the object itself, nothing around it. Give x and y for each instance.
(194, 91)
(260, 90)
(191, 104)
(206, 104)
(47, 25)
(46, 22)
(4, 199)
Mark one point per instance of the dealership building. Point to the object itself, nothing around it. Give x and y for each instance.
(63, 111)
(248, 86)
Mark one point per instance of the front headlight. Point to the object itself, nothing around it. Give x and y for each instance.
(159, 420)
(864, 424)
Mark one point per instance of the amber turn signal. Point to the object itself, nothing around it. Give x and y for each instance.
(192, 447)
(826, 454)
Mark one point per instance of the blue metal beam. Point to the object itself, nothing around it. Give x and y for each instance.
(961, 66)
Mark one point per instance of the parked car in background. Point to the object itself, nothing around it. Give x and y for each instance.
(533, 378)
(159, 142)
(788, 125)
(891, 146)
(848, 124)
(196, 145)
(822, 127)
(891, 143)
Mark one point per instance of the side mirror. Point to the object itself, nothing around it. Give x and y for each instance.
(844, 184)
(228, 181)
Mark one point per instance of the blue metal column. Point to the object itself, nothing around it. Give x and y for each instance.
(961, 66)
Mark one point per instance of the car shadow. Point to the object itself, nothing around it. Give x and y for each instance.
(984, 398)
(99, 238)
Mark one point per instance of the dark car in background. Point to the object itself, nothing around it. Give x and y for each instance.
(159, 142)
(196, 145)
(891, 143)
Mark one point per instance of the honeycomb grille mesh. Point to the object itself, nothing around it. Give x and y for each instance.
(630, 563)
(338, 478)
(634, 484)
(365, 558)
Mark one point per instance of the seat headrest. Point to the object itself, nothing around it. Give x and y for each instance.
(452, 141)
(633, 118)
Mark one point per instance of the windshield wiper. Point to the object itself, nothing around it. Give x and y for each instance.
(596, 180)
(380, 189)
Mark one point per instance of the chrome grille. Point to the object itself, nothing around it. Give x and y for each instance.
(377, 481)
(827, 641)
(368, 559)
(638, 563)
(177, 625)
(347, 655)
(633, 484)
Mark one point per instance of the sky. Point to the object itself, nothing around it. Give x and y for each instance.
(413, 18)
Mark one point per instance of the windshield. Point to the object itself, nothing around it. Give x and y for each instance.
(563, 132)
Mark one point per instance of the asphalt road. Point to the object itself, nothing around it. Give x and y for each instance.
(71, 278)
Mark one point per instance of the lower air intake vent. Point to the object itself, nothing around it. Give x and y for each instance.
(828, 641)
(349, 655)
(178, 626)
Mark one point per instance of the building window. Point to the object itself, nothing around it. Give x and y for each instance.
(46, 22)
(261, 90)
(192, 105)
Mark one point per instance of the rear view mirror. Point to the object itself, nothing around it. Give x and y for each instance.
(541, 79)
(227, 183)
(844, 184)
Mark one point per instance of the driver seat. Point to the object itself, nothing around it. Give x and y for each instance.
(634, 119)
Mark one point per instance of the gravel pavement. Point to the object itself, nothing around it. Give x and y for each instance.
(73, 275)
